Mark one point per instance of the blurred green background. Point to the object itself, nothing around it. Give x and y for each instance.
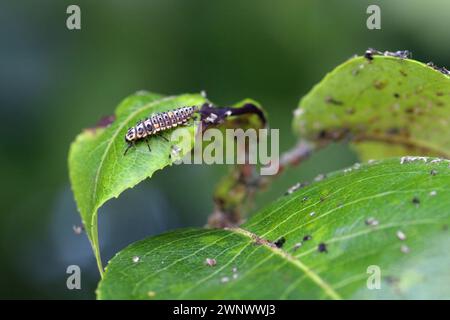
(55, 82)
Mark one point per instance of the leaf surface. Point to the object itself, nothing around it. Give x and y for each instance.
(316, 243)
(98, 168)
(387, 106)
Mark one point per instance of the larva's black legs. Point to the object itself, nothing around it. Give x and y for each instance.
(164, 137)
(148, 145)
(130, 144)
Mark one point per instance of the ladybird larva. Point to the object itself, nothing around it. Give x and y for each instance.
(157, 123)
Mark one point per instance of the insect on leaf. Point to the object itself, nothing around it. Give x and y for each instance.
(98, 168)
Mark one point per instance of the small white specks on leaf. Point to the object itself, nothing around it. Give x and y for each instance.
(433, 193)
(371, 221)
(294, 188)
(312, 213)
(151, 294)
(211, 118)
(401, 235)
(298, 112)
(436, 160)
(136, 259)
(224, 279)
(407, 159)
(320, 177)
(404, 249)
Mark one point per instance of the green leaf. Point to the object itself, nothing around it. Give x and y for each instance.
(392, 214)
(387, 106)
(98, 169)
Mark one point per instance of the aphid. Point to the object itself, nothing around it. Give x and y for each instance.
(369, 54)
(307, 237)
(322, 247)
(210, 262)
(224, 279)
(440, 69)
(280, 242)
(416, 201)
(404, 248)
(320, 177)
(371, 221)
(157, 123)
(401, 235)
(294, 188)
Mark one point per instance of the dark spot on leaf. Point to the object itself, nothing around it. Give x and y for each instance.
(439, 94)
(350, 111)
(280, 242)
(105, 121)
(416, 201)
(379, 85)
(392, 280)
(322, 247)
(369, 54)
(396, 95)
(403, 73)
(393, 131)
(331, 100)
(322, 134)
(307, 237)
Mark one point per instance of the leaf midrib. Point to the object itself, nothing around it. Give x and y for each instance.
(326, 287)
